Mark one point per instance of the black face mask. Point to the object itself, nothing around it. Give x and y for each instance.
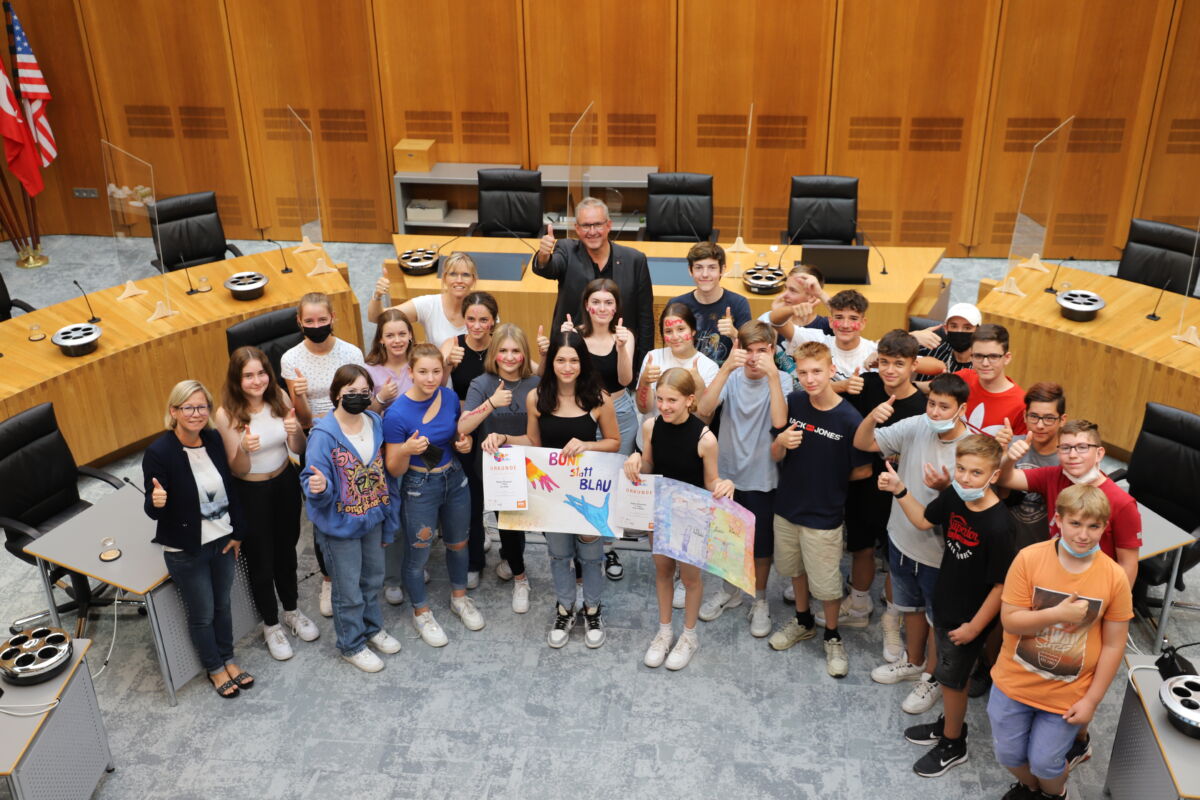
(355, 403)
(318, 334)
(959, 341)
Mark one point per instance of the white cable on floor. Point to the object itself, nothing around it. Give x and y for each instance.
(48, 705)
(1133, 645)
(1134, 669)
(113, 643)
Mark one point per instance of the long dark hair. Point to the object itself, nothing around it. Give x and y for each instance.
(233, 399)
(378, 354)
(599, 285)
(587, 386)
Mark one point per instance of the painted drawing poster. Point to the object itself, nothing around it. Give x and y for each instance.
(571, 495)
(715, 535)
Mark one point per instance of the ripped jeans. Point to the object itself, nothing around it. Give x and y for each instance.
(434, 500)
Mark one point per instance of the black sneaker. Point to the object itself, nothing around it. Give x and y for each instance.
(1079, 752)
(1019, 791)
(929, 733)
(560, 632)
(612, 566)
(981, 680)
(947, 753)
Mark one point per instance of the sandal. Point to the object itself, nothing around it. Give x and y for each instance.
(244, 680)
(228, 689)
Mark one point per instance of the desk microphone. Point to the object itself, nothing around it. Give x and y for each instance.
(515, 235)
(621, 229)
(795, 236)
(1153, 315)
(437, 253)
(94, 318)
(688, 220)
(134, 485)
(188, 273)
(286, 269)
(1050, 289)
(871, 242)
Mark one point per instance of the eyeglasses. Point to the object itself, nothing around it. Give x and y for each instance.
(1035, 419)
(356, 394)
(987, 358)
(591, 226)
(193, 411)
(1082, 449)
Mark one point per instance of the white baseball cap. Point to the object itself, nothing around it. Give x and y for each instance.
(967, 311)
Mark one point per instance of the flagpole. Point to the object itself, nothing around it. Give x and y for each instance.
(8, 213)
(31, 255)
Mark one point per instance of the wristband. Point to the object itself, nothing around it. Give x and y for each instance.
(901, 493)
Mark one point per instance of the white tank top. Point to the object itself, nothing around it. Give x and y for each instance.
(272, 440)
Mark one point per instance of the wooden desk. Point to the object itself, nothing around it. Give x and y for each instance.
(529, 302)
(1110, 367)
(114, 398)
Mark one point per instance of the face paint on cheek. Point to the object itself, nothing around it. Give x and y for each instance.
(849, 325)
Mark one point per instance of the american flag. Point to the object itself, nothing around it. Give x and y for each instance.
(34, 93)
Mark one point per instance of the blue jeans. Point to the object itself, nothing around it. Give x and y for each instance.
(912, 582)
(1023, 735)
(627, 421)
(204, 582)
(356, 569)
(433, 500)
(565, 547)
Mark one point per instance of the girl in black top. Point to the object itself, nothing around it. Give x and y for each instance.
(678, 445)
(565, 411)
(464, 356)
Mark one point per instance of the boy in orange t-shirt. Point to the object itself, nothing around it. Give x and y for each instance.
(1056, 662)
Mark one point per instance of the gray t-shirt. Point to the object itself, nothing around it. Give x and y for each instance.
(744, 453)
(917, 445)
(510, 419)
(1029, 511)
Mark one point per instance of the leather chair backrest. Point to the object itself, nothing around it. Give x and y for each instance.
(188, 228)
(679, 207)
(921, 323)
(1157, 252)
(514, 198)
(825, 207)
(274, 333)
(37, 471)
(1165, 463)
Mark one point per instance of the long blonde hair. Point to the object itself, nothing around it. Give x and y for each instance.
(503, 331)
(681, 381)
(179, 395)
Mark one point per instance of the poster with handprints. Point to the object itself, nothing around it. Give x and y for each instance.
(504, 485)
(715, 535)
(567, 495)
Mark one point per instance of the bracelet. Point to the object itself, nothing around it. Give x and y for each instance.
(902, 492)
(490, 403)
(505, 435)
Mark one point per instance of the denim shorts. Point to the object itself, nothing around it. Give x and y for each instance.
(1022, 734)
(912, 582)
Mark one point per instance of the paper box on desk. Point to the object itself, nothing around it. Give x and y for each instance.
(415, 155)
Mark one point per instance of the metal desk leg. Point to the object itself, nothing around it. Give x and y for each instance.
(14, 789)
(44, 571)
(1168, 593)
(156, 634)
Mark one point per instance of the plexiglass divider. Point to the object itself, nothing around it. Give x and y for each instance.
(739, 244)
(579, 163)
(304, 171)
(1038, 198)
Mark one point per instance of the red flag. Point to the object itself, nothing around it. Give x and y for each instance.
(20, 150)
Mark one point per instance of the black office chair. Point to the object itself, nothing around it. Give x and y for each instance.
(921, 323)
(39, 477)
(823, 209)
(274, 333)
(1162, 476)
(1156, 253)
(512, 199)
(188, 231)
(8, 303)
(679, 208)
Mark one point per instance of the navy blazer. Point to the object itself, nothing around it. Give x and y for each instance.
(179, 520)
(574, 269)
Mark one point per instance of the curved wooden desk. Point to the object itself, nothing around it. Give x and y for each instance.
(114, 399)
(909, 287)
(1109, 367)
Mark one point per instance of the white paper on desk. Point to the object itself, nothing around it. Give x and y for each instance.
(504, 484)
(634, 509)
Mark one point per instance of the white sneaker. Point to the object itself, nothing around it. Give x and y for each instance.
(560, 632)
(301, 625)
(684, 649)
(837, 664)
(659, 646)
(520, 600)
(679, 598)
(714, 606)
(790, 634)
(277, 643)
(472, 580)
(760, 618)
(593, 625)
(893, 646)
(464, 608)
(490, 524)
(393, 594)
(384, 642)
(854, 615)
(789, 591)
(366, 660)
(895, 672)
(503, 570)
(923, 695)
(429, 629)
(326, 600)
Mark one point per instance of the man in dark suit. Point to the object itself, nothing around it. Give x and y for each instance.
(576, 262)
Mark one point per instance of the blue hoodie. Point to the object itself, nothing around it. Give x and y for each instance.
(357, 497)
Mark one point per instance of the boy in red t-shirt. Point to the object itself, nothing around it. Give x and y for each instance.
(1057, 662)
(996, 404)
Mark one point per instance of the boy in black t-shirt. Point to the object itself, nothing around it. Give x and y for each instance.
(719, 312)
(966, 599)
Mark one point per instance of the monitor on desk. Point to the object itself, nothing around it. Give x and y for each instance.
(665, 271)
(496, 266)
(839, 263)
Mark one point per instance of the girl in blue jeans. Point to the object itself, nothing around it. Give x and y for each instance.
(420, 428)
(353, 505)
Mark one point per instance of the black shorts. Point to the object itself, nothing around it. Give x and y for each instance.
(955, 662)
(762, 506)
(867, 512)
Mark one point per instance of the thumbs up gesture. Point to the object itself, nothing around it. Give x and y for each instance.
(725, 325)
(651, 373)
(791, 436)
(1018, 449)
(316, 482)
(455, 356)
(567, 325)
(543, 342)
(388, 392)
(854, 384)
(416, 444)
(883, 412)
(463, 443)
(502, 397)
(889, 481)
(1072, 610)
(546, 245)
(622, 334)
(291, 425)
(1004, 436)
(383, 286)
(737, 357)
(250, 441)
(300, 384)
(158, 496)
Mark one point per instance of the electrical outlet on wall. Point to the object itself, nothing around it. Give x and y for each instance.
(86, 194)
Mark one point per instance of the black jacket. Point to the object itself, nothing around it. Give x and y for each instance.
(179, 519)
(574, 269)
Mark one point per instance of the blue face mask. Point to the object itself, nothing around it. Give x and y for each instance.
(1067, 549)
(940, 425)
(967, 495)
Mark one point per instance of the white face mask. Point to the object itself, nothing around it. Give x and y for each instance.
(1091, 476)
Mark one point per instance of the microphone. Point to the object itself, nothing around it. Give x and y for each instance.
(515, 235)
(871, 242)
(628, 217)
(188, 273)
(94, 318)
(437, 254)
(286, 269)
(1153, 315)
(134, 485)
(688, 220)
(1050, 289)
(795, 236)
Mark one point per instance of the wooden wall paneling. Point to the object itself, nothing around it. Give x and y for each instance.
(910, 85)
(165, 79)
(773, 53)
(1091, 58)
(1171, 170)
(318, 57)
(618, 54)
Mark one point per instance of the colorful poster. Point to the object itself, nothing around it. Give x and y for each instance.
(715, 535)
(567, 495)
(504, 487)
(634, 509)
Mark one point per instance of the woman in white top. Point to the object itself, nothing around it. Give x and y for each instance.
(441, 314)
(259, 429)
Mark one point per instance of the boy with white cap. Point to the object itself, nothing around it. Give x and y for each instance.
(949, 342)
